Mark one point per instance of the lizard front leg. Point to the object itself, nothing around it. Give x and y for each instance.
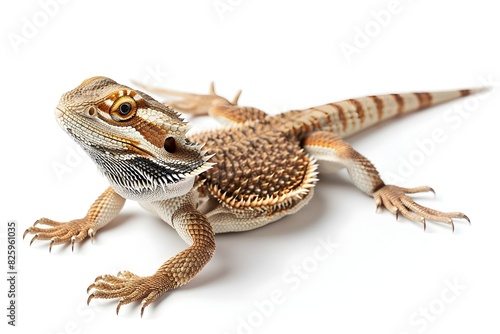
(336, 154)
(209, 104)
(101, 212)
(195, 229)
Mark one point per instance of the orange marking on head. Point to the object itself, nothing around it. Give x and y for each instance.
(153, 133)
(105, 105)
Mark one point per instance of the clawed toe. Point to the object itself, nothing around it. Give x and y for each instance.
(395, 200)
(60, 233)
(129, 287)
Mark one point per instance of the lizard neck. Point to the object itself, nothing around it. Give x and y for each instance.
(140, 178)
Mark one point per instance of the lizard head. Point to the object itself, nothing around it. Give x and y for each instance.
(139, 144)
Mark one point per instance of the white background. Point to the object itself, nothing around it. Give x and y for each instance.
(382, 277)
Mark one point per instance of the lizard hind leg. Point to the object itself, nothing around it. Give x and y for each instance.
(208, 104)
(333, 152)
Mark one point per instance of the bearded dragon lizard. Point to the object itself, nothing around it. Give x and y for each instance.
(238, 178)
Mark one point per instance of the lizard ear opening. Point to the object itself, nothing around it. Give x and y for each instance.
(170, 145)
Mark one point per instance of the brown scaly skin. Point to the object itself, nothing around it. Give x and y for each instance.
(248, 175)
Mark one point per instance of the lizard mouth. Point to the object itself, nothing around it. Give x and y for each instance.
(129, 157)
(61, 116)
(58, 112)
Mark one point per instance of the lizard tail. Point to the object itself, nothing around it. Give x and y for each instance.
(348, 117)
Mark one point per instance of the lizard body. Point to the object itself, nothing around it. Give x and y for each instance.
(238, 178)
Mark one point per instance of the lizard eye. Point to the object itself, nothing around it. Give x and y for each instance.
(170, 145)
(123, 109)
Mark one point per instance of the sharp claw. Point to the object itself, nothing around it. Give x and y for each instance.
(118, 307)
(397, 214)
(236, 97)
(37, 222)
(378, 204)
(432, 191)
(50, 246)
(425, 224)
(452, 227)
(73, 238)
(34, 238)
(26, 232)
(466, 218)
(90, 298)
(91, 234)
(142, 310)
(91, 286)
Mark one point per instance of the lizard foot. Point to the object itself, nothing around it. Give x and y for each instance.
(129, 287)
(188, 103)
(394, 199)
(61, 233)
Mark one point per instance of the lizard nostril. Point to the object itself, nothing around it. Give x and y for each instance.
(170, 145)
(91, 111)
